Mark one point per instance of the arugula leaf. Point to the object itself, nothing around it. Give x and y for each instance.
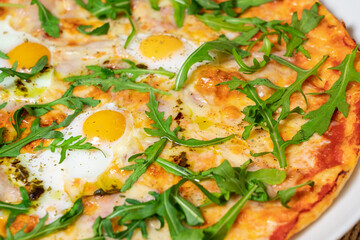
(219, 230)
(49, 22)
(179, 11)
(133, 211)
(319, 120)
(38, 110)
(119, 84)
(266, 48)
(177, 170)
(222, 44)
(133, 30)
(2, 129)
(261, 114)
(3, 55)
(154, 5)
(39, 66)
(171, 215)
(107, 9)
(66, 144)
(217, 22)
(170, 206)
(192, 213)
(110, 9)
(135, 71)
(285, 195)
(309, 20)
(301, 77)
(151, 154)
(3, 105)
(162, 128)
(36, 132)
(67, 100)
(132, 71)
(208, 4)
(245, 4)
(42, 230)
(102, 30)
(270, 176)
(12, 5)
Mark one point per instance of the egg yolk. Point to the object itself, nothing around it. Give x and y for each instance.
(107, 125)
(27, 54)
(160, 46)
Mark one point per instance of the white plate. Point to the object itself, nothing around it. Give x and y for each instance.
(345, 211)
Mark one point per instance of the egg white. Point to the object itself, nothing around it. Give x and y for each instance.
(171, 63)
(9, 39)
(81, 165)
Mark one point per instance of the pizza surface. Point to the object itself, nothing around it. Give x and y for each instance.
(123, 120)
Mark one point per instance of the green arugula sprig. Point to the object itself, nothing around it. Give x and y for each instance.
(4, 55)
(102, 30)
(119, 84)
(222, 44)
(132, 71)
(197, 6)
(217, 22)
(42, 230)
(141, 165)
(266, 48)
(49, 22)
(12, 5)
(36, 132)
(105, 78)
(110, 9)
(175, 210)
(16, 209)
(162, 128)
(319, 119)
(37, 110)
(261, 114)
(293, 34)
(2, 129)
(246, 4)
(286, 194)
(309, 20)
(179, 11)
(39, 66)
(67, 144)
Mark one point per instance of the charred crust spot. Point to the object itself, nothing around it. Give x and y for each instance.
(178, 117)
(36, 192)
(142, 66)
(100, 192)
(181, 159)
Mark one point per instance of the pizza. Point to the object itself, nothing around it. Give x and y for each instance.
(173, 119)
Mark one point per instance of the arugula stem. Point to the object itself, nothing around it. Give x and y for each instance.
(12, 5)
(144, 71)
(217, 231)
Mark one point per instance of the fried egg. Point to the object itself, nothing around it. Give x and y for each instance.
(25, 50)
(108, 128)
(155, 51)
